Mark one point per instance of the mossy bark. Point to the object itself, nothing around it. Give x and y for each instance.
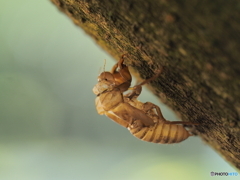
(197, 42)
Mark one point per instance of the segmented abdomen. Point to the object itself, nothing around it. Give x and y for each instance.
(161, 133)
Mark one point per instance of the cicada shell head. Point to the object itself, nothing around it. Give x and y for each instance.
(106, 76)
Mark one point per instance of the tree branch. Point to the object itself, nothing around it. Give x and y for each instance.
(198, 43)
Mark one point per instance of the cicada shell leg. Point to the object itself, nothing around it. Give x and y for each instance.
(121, 75)
(117, 119)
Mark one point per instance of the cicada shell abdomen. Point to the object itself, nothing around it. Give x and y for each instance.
(161, 132)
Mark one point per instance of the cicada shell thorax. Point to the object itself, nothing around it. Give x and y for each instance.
(102, 87)
(110, 99)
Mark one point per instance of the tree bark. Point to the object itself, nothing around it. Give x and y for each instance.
(197, 42)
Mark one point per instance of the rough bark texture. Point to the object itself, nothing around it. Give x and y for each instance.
(197, 41)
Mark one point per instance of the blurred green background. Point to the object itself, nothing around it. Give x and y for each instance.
(49, 127)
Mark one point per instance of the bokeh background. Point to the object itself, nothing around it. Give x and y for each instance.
(49, 127)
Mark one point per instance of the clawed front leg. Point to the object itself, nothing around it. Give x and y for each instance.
(150, 106)
(135, 93)
(152, 78)
(121, 74)
(137, 89)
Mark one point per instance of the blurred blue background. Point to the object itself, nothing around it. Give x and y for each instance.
(49, 127)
